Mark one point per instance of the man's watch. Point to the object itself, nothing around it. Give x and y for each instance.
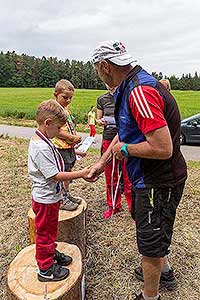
(124, 150)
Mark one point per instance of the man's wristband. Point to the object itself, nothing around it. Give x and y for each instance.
(124, 150)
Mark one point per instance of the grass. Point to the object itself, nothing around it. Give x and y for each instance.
(112, 253)
(188, 102)
(194, 164)
(20, 103)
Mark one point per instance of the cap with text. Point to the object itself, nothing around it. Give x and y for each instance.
(114, 51)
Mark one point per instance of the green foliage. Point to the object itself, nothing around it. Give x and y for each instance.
(186, 82)
(29, 71)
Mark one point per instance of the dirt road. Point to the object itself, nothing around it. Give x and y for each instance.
(189, 152)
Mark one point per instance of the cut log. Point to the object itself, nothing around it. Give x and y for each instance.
(22, 279)
(71, 226)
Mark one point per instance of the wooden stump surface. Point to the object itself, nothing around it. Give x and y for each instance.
(22, 279)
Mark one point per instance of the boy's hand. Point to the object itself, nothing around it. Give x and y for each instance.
(82, 154)
(77, 139)
(94, 172)
(85, 173)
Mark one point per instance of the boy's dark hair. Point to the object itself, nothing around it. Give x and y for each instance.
(50, 109)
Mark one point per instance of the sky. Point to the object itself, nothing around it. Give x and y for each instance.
(163, 35)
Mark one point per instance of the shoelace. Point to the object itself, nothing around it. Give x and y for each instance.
(66, 201)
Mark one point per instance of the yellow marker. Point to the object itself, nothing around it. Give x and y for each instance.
(151, 198)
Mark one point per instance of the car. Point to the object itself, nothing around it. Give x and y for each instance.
(190, 130)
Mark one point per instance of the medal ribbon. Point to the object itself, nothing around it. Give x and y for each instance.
(59, 161)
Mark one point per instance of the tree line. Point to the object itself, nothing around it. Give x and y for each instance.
(29, 71)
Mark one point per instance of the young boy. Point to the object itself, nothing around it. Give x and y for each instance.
(46, 171)
(67, 139)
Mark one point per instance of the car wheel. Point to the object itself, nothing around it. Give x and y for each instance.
(182, 139)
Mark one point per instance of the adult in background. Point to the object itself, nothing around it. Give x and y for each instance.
(148, 123)
(166, 83)
(105, 108)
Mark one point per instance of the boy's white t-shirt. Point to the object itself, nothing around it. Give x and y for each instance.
(41, 168)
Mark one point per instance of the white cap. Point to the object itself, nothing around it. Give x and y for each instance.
(114, 51)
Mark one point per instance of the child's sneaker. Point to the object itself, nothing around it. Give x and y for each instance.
(76, 200)
(62, 259)
(54, 273)
(68, 205)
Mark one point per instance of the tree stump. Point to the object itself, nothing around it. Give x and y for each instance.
(71, 226)
(22, 279)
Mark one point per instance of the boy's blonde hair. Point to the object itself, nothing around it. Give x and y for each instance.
(166, 83)
(63, 85)
(50, 109)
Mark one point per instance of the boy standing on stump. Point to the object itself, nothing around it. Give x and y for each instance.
(46, 171)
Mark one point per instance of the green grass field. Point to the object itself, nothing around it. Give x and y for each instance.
(22, 102)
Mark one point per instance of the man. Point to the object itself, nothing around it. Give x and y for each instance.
(105, 108)
(148, 123)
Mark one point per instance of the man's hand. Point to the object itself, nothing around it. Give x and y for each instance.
(116, 151)
(95, 171)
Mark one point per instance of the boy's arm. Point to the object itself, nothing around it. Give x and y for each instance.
(69, 138)
(67, 176)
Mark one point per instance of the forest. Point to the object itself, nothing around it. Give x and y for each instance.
(29, 71)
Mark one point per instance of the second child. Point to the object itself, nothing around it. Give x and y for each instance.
(67, 139)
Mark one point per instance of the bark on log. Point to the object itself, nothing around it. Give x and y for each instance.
(22, 279)
(71, 226)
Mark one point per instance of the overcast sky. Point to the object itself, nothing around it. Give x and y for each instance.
(163, 35)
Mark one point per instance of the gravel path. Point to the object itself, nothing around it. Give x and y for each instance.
(189, 152)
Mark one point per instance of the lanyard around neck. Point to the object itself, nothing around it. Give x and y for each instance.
(56, 154)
